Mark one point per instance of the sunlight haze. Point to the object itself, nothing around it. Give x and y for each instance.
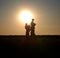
(45, 12)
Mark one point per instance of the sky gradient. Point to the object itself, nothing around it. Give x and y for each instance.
(46, 14)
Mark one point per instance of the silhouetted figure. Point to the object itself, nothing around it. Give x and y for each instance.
(27, 27)
(33, 28)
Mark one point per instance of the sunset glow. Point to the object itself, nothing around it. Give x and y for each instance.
(25, 16)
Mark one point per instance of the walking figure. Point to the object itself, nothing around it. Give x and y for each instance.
(33, 28)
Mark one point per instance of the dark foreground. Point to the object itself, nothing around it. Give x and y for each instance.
(40, 45)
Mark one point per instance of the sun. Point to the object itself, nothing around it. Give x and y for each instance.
(25, 16)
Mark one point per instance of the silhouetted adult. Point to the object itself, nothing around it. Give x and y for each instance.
(32, 28)
(27, 27)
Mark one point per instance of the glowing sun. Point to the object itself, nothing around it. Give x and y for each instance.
(26, 16)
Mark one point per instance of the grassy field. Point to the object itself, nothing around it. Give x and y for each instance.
(39, 45)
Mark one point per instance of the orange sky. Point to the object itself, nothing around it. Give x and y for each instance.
(46, 14)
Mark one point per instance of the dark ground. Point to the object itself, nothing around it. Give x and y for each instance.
(45, 45)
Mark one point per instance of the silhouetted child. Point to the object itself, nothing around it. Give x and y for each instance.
(27, 27)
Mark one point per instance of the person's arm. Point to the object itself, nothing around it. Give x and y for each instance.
(34, 24)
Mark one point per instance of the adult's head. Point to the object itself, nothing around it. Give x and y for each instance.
(32, 19)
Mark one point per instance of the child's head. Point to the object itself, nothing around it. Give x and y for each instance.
(25, 23)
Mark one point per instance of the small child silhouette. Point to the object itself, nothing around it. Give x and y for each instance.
(27, 27)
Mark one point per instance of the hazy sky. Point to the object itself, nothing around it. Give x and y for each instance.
(46, 14)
